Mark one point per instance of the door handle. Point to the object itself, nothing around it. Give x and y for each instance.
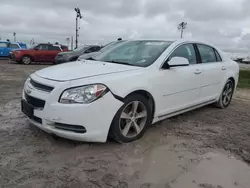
(223, 68)
(197, 71)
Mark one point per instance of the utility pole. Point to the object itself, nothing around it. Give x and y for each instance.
(14, 35)
(68, 41)
(78, 16)
(181, 27)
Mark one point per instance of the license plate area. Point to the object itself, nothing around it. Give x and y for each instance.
(27, 109)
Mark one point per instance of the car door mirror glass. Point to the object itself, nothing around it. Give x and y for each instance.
(178, 61)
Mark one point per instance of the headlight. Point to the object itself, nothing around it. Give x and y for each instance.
(28, 80)
(83, 94)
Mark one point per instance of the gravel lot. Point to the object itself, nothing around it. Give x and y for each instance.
(32, 158)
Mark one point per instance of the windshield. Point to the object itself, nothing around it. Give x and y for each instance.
(135, 53)
(81, 49)
(110, 45)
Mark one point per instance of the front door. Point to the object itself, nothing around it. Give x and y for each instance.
(42, 53)
(52, 52)
(213, 72)
(180, 86)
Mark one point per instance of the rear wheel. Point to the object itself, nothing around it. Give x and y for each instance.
(131, 120)
(26, 60)
(226, 95)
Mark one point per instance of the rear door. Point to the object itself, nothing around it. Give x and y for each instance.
(214, 71)
(52, 52)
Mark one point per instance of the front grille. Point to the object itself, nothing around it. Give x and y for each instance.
(41, 86)
(73, 128)
(37, 103)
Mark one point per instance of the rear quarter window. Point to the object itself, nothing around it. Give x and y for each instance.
(218, 57)
(207, 53)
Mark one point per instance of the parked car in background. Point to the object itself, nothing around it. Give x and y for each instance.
(104, 48)
(121, 91)
(6, 47)
(69, 56)
(39, 53)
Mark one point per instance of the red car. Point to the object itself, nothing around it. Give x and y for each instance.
(39, 53)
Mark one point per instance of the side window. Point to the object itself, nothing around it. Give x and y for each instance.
(218, 57)
(43, 47)
(186, 51)
(97, 48)
(14, 46)
(94, 49)
(207, 53)
(3, 45)
(54, 48)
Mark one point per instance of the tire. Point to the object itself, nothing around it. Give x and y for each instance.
(26, 60)
(226, 95)
(137, 122)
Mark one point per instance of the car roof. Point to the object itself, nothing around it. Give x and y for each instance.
(50, 44)
(179, 41)
(4, 41)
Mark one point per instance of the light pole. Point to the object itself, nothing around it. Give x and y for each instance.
(181, 27)
(78, 16)
(14, 35)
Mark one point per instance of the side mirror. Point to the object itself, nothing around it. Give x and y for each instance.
(178, 61)
(36, 49)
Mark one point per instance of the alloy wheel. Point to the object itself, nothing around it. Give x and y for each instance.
(133, 119)
(26, 60)
(227, 93)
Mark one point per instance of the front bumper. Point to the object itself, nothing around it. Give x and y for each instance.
(95, 117)
(14, 57)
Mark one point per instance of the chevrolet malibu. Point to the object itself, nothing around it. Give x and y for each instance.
(123, 90)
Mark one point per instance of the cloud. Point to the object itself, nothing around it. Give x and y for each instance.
(225, 23)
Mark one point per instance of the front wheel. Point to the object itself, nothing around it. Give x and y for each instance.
(131, 120)
(226, 95)
(26, 60)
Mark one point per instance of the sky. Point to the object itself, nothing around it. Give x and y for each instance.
(225, 23)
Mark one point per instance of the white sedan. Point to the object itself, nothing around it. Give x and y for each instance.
(123, 90)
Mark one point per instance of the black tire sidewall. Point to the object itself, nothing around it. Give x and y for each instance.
(115, 132)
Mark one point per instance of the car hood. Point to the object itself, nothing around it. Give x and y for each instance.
(88, 55)
(20, 50)
(82, 69)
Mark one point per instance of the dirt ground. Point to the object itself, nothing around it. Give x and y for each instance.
(32, 158)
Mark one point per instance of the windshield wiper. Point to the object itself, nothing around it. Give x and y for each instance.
(91, 58)
(118, 62)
